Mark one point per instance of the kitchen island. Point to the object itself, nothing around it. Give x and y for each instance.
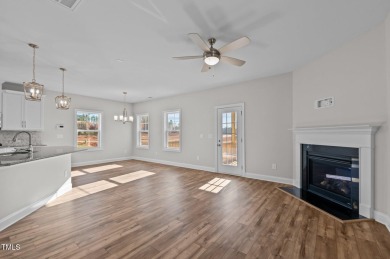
(29, 180)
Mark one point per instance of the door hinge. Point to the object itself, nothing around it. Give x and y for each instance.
(241, 112)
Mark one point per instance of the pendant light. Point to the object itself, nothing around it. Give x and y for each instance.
(32, 90)
(124, 118)
(62, 101)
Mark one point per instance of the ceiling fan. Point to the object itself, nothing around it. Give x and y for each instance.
(211, 56)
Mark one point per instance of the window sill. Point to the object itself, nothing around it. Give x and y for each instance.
(91, 149)
(172, 150)
(141, 147)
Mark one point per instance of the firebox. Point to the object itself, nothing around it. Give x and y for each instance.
(332, 174)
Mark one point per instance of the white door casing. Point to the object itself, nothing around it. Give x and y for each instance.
(229, 144)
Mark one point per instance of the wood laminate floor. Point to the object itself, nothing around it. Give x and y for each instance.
(135, 209)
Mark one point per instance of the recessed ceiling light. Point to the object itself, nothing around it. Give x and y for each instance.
(119, 60)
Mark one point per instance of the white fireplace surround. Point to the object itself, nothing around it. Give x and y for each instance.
(355, 136)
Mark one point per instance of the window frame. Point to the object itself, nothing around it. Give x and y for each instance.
(138, 130)
(100, 130)
(165, 122)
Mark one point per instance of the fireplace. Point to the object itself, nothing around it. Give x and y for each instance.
(332, 174)
(357, 137)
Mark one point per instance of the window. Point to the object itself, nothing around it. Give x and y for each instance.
(143, 131)
(88, 129)
(172, 125)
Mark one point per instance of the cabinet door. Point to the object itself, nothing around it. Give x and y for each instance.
(12, 111)
(33, 115)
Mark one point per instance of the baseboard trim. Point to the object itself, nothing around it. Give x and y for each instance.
(185, 165)
(382, 218)
(365, 210)
(269, 178)
(18, 215)
(95, 162)
(212, 169)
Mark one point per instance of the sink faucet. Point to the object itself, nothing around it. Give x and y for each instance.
(30, 148)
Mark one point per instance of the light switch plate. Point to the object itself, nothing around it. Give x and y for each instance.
(324, 103)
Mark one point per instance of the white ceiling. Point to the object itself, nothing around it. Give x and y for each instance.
(145, 34)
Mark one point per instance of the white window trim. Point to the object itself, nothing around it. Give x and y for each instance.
(101, 129)
(165, 148)
(137, 125)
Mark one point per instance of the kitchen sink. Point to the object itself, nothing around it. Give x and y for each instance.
(11, 151)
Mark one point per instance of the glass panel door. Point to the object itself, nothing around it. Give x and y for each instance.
(229, 140)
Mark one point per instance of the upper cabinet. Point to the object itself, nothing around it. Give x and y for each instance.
(20, 114)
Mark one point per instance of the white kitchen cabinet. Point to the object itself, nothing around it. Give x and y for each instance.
(20, 114)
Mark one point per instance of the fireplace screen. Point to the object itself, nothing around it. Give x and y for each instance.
(332, 173)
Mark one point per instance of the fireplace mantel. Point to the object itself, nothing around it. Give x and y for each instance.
(356, 136)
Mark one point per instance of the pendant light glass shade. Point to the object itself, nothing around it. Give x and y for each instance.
(62, 101)
(32, 90)
(124, 117)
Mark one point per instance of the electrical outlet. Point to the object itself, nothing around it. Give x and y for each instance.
(274, 166)
(324, 103)
(65, 173)
(197, 157)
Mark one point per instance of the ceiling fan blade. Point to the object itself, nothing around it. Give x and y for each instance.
(232, 61)
(187, 57)
(241, 42)
(205, 68)
(199, 41)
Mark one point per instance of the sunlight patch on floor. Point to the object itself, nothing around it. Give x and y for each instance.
(131, 176)
(82, 191)
(101, 168)
(215, 185)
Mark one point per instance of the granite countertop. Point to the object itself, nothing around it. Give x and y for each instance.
(40, 152)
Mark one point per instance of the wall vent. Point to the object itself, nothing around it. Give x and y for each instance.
(71, 4)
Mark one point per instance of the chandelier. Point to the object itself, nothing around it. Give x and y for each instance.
(124, 117)
(32, 90)
(62, 101)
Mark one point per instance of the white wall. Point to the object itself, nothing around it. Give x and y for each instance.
(116, 137)
(387, 24)
(268, 117)
(356, 75)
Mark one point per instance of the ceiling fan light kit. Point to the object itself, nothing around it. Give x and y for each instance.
(211, 56)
